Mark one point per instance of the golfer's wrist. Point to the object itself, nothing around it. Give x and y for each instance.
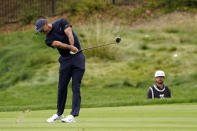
(70, 47)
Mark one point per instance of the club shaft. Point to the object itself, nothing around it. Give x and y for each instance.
(96, 46)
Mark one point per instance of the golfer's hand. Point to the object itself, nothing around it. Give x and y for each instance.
(73, 49)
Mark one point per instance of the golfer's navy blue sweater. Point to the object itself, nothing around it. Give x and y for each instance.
(57, 34)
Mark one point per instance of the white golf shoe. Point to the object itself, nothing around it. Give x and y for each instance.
(69, 119)
(54, 118)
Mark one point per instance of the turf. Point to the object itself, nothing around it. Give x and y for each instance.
(116, 75)
(29, 69)
(173, 117)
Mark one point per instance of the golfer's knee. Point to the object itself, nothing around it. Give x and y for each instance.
(76, 88)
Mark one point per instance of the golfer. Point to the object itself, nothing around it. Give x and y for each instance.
(159, 90)
(60, 35)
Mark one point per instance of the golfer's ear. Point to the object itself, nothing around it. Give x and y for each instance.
(45, 24)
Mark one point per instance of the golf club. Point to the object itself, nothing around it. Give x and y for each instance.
(118, 39)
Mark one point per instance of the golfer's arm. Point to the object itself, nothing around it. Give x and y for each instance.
(58, 44)
(69, 33)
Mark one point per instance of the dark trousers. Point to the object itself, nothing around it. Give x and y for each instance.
(70, 67)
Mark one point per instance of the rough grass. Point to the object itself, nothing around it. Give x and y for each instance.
(176, 117)
(115, 75)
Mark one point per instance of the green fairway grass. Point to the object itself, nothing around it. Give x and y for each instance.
(117, 75)
(174, 117)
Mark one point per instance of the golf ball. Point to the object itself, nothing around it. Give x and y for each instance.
(175, 55)
(146, 36)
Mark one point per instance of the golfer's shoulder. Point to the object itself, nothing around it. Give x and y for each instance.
(61, 20)
(58, 21)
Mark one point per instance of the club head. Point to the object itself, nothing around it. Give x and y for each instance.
(118, 39)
